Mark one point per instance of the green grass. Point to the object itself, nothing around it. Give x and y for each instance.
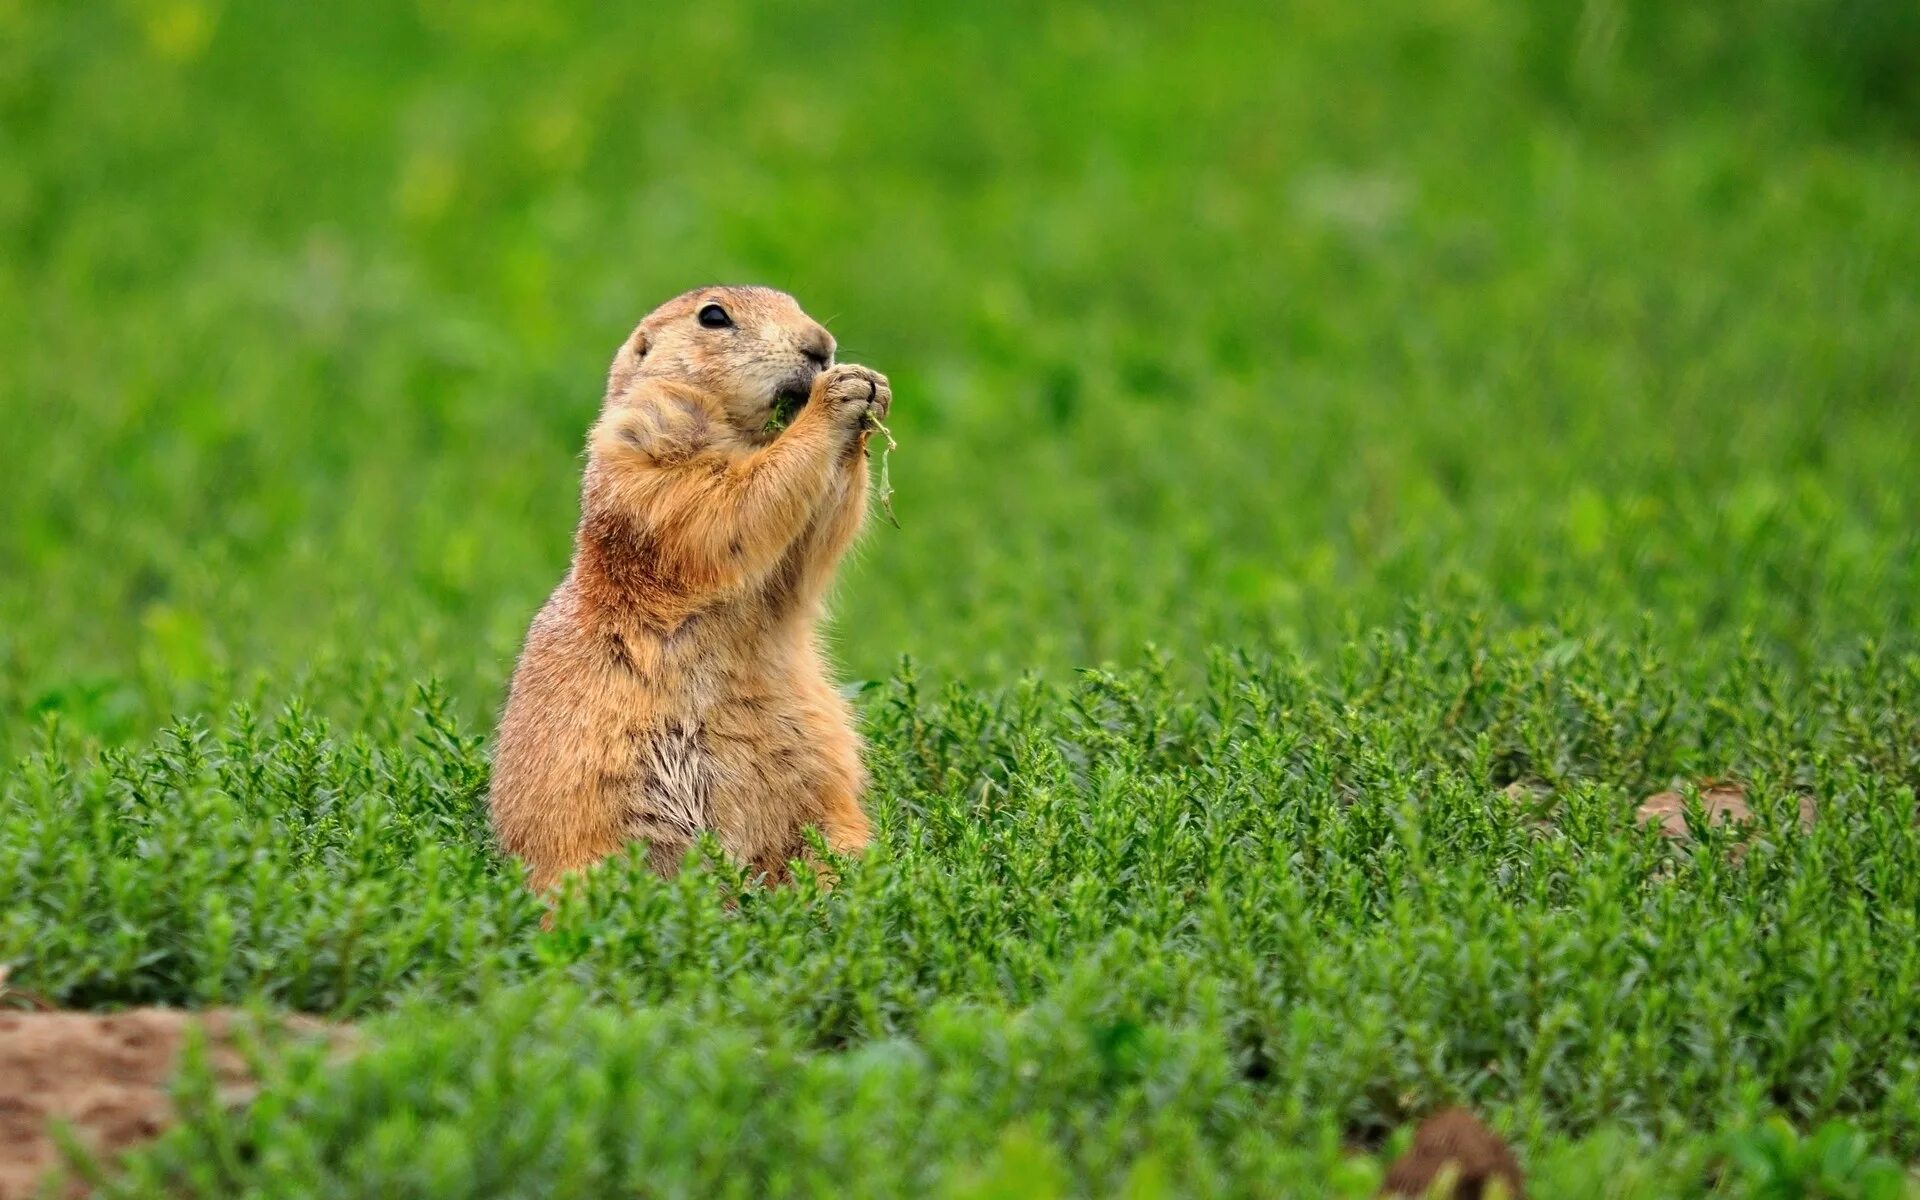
(1347, 457)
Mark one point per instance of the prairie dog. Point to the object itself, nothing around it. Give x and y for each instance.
(673, 682)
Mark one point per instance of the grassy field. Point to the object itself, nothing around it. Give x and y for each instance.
(1349, 455)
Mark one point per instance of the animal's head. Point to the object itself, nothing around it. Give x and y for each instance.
(751, 348)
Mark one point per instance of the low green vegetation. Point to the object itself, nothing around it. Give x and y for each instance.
(1129, 930)
(1347, 458)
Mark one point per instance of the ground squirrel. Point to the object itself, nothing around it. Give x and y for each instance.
(672, 683)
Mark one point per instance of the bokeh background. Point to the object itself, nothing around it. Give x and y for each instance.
(1245, 324)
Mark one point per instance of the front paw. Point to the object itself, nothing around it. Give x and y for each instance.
(848, 392)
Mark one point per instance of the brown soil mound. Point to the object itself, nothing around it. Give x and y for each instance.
(106, 1075)
(1455, 1145)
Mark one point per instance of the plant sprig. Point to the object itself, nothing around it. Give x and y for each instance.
(876, 425)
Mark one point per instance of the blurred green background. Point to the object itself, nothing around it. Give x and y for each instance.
(1241, 323)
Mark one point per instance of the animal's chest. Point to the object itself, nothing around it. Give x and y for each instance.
(674, 776)
(718, 733)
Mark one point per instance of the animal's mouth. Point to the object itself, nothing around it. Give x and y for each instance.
(792, 395)
(789, 398)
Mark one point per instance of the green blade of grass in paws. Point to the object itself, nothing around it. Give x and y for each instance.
(875, 424)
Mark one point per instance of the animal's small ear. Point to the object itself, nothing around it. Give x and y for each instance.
(626, 365)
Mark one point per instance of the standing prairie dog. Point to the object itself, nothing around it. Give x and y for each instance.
(672, 683)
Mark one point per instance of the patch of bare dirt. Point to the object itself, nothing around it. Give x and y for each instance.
(106, 1075)
(1453, 1146)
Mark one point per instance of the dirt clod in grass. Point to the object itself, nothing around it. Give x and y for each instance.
(1723, 802)
(106, 1075)
(1536, 801)
(1453, 1144)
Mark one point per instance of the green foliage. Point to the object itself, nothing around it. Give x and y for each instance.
(1517, 396)
(1847, 66)
(1834, 1162)
(1290, 907)
(546, 1095)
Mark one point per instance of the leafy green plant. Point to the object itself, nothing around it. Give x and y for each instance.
(1774, 1162)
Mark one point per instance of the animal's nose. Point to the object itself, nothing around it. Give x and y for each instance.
(818, 349)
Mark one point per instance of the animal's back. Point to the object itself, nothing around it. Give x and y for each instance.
(559, 741)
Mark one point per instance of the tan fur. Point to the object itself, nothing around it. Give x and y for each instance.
(673, 682)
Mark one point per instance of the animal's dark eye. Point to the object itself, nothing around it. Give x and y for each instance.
(714, 317)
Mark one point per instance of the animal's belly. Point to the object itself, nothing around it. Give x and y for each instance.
(754, 766)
